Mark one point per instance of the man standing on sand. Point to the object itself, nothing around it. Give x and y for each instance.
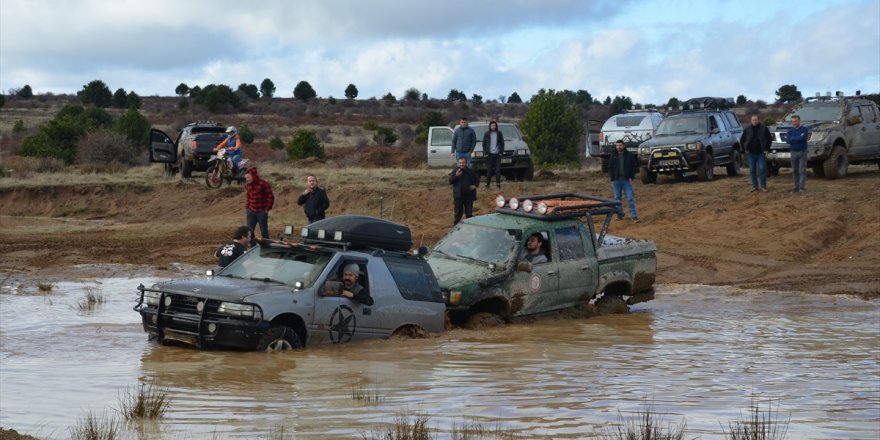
(756, 139)
(313, 200)
(464, 189)
(798, 136)
(258, 202)
(464, 139)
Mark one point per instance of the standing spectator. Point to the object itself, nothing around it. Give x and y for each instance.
(313, 200)
(622, 168)
(756, 139)
(258, 203)
(464, 189)
(227, 253)
(797, 142)
(464, 139)
(493, 149)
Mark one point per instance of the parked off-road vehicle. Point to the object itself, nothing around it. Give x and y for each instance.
(843, 130)
(487, 277)
(286, 294)
(190, 151)
(705, 135)
(516, 162)
(632, 127)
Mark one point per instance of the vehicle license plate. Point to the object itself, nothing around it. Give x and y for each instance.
(668, 163)
(506, 161)
(783, 155)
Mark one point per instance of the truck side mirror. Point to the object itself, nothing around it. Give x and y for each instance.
(524, 266)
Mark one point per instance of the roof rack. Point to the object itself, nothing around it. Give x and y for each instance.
(707, 103)
(557, 206)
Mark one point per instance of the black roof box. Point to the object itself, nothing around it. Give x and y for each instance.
(361, 231)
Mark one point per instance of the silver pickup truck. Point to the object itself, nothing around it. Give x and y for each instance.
(289, 294)
(516, 162)
(483, 269)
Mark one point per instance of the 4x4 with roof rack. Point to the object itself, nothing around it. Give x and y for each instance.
(632, 127)
(190, 151)
(844, 130)
(286, 294)
(485, 277)
(704, 135)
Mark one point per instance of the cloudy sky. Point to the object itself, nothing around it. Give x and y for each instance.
(649, 50)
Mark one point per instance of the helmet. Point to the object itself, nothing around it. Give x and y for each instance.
(231, 131)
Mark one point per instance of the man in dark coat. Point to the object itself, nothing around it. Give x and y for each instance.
(756, 140)
(464, 182)
(313, 200)
(622, 167)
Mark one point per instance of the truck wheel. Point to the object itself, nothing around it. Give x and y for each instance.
(836, 165)
(213, 177)
(648, 177)
(819, 169)
(186, 168)
(529, 173)
(733, 168)
(706, 170)
(772, 170)
(279, 338)
(604, 164)
(482, 320)
(609, 304)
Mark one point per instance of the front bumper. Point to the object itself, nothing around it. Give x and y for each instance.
(780, 154)
(672, 160)
(508, 162)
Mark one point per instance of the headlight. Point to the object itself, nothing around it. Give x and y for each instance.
(236, 310)
(818, 136)
(478, 153)
(523, 152)
(690, 147)
(644, 150)
(151, 298)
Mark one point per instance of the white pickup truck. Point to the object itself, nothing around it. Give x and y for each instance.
(516, 162)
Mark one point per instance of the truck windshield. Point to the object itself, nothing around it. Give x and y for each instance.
(282, 265)
(811, 113)
(684, 125)
(472, 242)
(510, 132)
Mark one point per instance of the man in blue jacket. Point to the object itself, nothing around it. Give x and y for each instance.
(464, 139)
(798, 136)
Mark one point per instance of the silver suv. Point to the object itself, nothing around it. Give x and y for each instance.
(844, 130)
(516, 163)
(286, 294)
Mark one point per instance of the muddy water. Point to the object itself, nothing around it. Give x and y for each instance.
(695, 353)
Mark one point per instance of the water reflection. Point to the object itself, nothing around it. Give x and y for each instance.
(696, 352)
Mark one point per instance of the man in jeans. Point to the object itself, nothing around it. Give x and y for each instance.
(756, 139)
(464, 139)
(259, 200)
(622, 168)
(798, 136)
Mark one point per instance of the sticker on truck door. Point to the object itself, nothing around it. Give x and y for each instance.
(343, 324)
(535, 282)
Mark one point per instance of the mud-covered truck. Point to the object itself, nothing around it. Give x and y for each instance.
(290, 293)
(485, 276)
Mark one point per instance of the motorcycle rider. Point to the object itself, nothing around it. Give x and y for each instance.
(232, 143)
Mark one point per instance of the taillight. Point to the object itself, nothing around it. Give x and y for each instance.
(601, 136)
(194, 145)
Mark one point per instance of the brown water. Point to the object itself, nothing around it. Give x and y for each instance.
(696, 352)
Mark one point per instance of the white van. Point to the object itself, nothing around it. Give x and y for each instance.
(633, 127)
(516, 162)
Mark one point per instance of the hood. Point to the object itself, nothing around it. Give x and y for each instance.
(814, 126)
(224, 288)
(661, 140)
(453, 274)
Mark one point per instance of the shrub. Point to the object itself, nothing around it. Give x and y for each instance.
(554, 129)
(304, 144)
(384, 136)
(144, 402)
(247, 136)
(96, 93)
(134, 126)
(371, 125)
(105, 146)
(18, 127)
(276, 143)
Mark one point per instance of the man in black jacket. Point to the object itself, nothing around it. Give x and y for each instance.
(313, 200)
(622, 168)
(756, 140)
(493, 149)
(464, 189)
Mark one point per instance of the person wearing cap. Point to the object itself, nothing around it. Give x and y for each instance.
(259, 201)
(351, 288)
(534, 251)
(313, 200)
(227, 253)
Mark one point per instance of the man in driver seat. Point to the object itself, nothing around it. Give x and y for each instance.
(353, 290)
(534, 251)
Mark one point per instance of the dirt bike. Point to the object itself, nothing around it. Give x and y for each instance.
(220, 170)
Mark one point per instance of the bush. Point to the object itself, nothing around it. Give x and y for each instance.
(384, 136)
(96, 93)
(134, 126)
(371, 125)
(276, 143)
(18, 127)
(247, 136)
(304, 144)
(553, 128)
(103, 147)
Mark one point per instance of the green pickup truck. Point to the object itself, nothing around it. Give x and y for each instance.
(488, 272)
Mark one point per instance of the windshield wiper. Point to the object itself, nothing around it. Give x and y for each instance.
(266, 279)
(472, 259)
(687, 132)
(441, 253)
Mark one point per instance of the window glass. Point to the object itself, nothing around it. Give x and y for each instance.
(441, 137)
(731, 120)
(281, 265)
(414, 279)
(570, 243)
(478, 244)
(629, 120)
(691, 124)
(868, 113)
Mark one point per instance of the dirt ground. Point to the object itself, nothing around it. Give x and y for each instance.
(825, 240)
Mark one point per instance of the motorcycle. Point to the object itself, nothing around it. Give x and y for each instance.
(221, 170)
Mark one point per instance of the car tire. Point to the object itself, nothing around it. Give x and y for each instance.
(186, 168)
(648, 177)
(706, 170)
(483, 320)
(529, 173)
(279, 338)
(733, 168)
(836, 165)
(610, 304)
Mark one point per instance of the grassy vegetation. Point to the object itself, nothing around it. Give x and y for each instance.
(758, 425)
(144, 402)
(405, 427)
(94, 427)
(93, 298)
(45, 287)
(361, 393)
(647, 424)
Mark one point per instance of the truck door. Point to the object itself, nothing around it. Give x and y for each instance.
(577, 265)
(338, 319)
(440, 147)
(866, 134)
(162, 149)
(537, 291)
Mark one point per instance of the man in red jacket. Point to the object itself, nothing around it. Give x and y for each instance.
(259, 201)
